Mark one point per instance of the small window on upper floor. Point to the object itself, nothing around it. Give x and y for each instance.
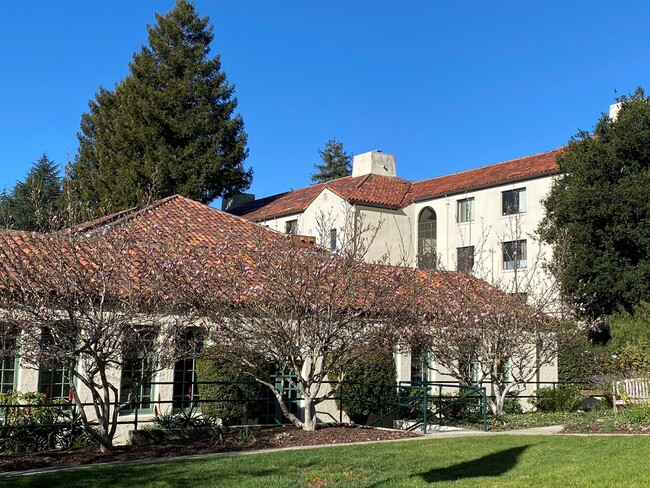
(515, 254)
(465, 210)
(333, 240)
(291, 227)
(465, 258)
(513, 201)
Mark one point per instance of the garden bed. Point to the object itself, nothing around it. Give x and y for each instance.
(253, 439)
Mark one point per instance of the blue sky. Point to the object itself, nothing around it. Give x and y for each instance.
(445, 86)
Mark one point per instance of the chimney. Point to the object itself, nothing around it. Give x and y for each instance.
(237, 200)
(374, 162)
(613, 110)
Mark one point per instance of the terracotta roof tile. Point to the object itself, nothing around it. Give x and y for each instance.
(393, 192)
(369, 189)
(183, 220)
(514, 170)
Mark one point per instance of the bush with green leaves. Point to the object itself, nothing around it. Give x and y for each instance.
(563, 398)
(368, 385)
(226, 390)
(30, 422)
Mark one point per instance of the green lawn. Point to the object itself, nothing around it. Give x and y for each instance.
(484, 461)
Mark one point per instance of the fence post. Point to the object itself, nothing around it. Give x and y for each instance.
(426, 409)
(484, 408)
(341, 402)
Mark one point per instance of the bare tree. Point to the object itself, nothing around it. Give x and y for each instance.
(93, 305)
(301, 309)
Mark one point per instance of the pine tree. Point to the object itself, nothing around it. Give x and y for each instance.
(336, 163)
(33, 203)
(168, 127)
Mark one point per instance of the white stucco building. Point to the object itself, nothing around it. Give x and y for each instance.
(482, 220)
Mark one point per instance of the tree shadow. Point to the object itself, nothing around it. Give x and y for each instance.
(494, 464)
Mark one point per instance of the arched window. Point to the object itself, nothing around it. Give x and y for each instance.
(427, 236)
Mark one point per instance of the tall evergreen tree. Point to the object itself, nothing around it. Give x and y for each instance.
(168, 127)
(336, 163)
(33, 203)
(598, 212)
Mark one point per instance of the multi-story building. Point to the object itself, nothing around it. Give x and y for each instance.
(481, 220)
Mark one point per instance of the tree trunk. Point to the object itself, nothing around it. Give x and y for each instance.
(310, 415)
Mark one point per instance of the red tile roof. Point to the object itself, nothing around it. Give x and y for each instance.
(509, 171)
(391, 192)
(183, 220)
(368, 189)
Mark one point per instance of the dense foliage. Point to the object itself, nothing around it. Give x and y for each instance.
(369, 383)
(168, 127)
(34, 202)
(598, 212)
(239, 396)
(336, 163)
(562, 398)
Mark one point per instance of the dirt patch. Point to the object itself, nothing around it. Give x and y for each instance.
(267, 438)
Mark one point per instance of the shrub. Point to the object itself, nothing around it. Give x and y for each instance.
(233, 396)
(563, 398)
(31, 423)
(634, 415)
(369, 384)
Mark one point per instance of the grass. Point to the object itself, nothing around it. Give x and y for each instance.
(503, 461)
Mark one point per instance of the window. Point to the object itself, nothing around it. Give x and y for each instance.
(8, 362)
(137, 372)
(54, 383)
(472, 372)
(186, 390)
(465, 259)
(513, 201)
(333, 240)
(419, 366)
(52, 377)
(291, 226)
(427, 236)
(465, 210)
(514, 254)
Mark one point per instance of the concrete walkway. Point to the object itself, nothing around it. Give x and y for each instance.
(438, 434)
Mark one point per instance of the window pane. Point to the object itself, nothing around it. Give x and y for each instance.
(427, 237)
(8, 366)
(333, 240)
(465, 210)
(186, 390)
(513, 201)
(514, 254)
(465, 259)
(137, 373)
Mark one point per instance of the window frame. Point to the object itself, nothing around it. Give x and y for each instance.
(10, 362)
(333, 240)
(470, 259)
(465, 210)
(427, 233)
(517, 203)
(291, 227)
(146, 387)
(514, 254)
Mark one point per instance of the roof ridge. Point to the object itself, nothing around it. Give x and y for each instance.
(122, 215)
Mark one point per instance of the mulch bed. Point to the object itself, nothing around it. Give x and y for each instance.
(267, 438)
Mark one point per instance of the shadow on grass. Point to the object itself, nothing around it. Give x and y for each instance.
(493, 465)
